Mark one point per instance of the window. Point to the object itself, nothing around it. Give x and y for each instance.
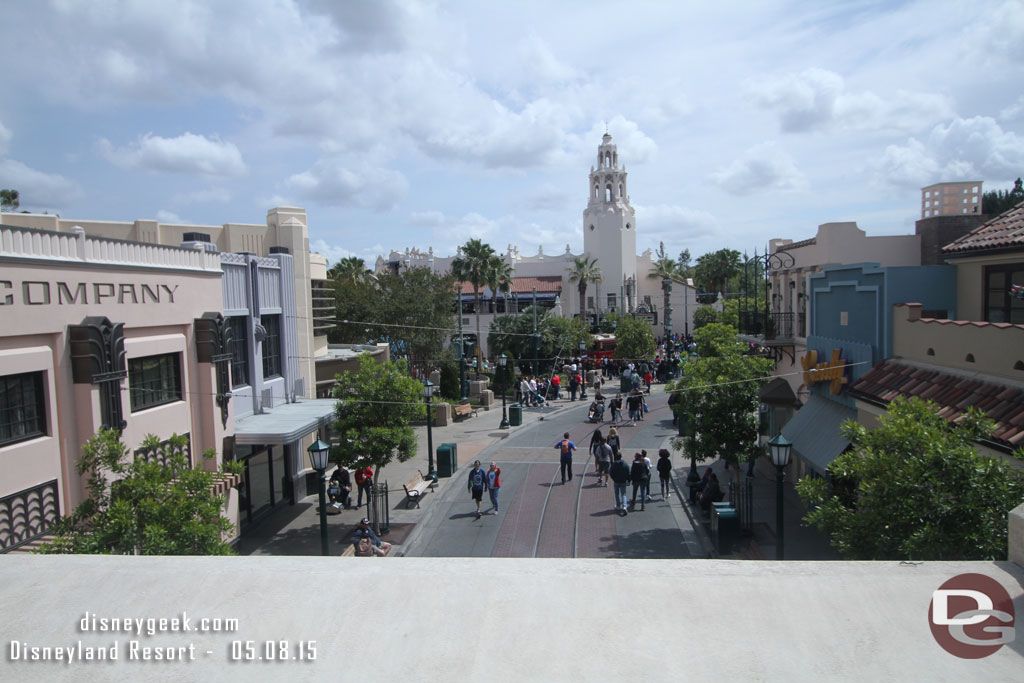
(271, 346)
(611, 302)
(239, 351)
(1000, 305)
(154, 380)
(22, 411)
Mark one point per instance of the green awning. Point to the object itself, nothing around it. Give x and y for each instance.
(814, 431)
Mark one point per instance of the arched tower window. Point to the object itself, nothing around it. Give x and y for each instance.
(620, 190)
(607, 159)
(608, 192)
(597, 191)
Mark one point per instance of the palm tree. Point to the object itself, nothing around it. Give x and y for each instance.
(350, 269)
(9, 200)
(665, 270)
(499, 279)
(583, 272)
(472, 266)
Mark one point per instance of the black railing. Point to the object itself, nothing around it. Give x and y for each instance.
(769, 326)
(28, 514)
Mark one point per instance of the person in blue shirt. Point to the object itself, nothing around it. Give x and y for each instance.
(379, 548)
(565, 447)
(477, 484)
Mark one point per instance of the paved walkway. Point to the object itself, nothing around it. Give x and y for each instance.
(540, 517)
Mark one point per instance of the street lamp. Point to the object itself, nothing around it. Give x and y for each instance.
(692, 479)
(428, 391)
(502, 361)
(779, 447)
(318, 451)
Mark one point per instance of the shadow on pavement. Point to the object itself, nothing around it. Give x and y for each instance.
(648, 544)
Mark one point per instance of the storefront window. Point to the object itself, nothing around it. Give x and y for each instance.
(154, 380)
(239, 351)
(22, 410)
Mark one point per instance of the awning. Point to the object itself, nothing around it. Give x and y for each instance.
(285, 423)
(814, 431)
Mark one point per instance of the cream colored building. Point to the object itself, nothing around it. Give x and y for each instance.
(609, 236)
(951, 199)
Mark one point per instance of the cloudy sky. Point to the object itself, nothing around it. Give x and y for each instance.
(400, 124)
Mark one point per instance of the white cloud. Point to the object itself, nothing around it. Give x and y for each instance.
(803, 101)
(333, 252)
(187, 153)
(212, 195)
(427, 218)
(36, 188)
(5, 138)
(673, 224)
(761, 168)
(964, 149)
(816, 99)
(334, 183)
(170, 217)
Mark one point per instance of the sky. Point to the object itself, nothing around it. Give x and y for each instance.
(423, 124)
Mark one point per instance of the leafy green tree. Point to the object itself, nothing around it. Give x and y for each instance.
(9, 200)
(145, 505)
(634, 339)
(375, 405)
(582, 272)
(704, 315)
(685, 266)
(349, 269)
(474, 265)
(499, 279)
(413, 307)
(713, 271)
(915, 489)
(559, 337)
(999, 201)
(718, 396)
(664, 270)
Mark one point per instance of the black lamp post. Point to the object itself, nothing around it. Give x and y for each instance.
(428, 391)
(318, 451)
(502, 361)
(779, 447)
(693, 478)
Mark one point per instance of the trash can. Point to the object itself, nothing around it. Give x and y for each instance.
(725, 528)
(515, 415)
(447, 459)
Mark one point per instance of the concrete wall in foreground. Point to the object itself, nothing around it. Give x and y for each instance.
(495, 620)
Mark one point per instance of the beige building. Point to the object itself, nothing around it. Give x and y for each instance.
(976, 360)
(951, 199)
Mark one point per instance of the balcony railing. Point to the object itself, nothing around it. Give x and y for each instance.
(768, 325)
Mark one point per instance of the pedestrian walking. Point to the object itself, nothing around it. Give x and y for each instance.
(565, 448)
(616, 407)
(573, 388)
(650, 470)
(640, 476)
(477, 484)
(494, 484)
(613, 440)
(619, 473)
(665, 471)
(633, 405)
(604, 462)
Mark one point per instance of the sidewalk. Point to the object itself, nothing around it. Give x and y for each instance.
(295, 529)
(759, 543)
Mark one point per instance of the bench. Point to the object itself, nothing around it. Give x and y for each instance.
(416, 487)
(464, 410)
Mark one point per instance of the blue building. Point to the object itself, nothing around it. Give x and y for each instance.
(850, 330)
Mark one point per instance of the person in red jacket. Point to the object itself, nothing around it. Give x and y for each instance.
(364, 479)
(494, 484)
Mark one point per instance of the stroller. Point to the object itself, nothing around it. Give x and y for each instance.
(596, 412)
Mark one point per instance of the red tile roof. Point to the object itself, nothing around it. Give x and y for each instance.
(1005, 230)
(953, 393)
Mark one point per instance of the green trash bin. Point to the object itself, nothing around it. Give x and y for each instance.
(447, 459)
(725, 528)
(515, 415)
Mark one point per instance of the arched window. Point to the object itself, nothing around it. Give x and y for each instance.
(620, 189)
(1019, 365)
(608, 193)
(607, 159)
(597, 191)
(969, 358)
(931, 351)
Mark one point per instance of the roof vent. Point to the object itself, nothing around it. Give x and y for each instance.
(279, 250)
(198, 240)
(195, 237)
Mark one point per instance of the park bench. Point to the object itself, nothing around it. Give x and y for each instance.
(416, 487)
(464, 410)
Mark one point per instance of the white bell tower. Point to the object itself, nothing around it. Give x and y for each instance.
(609, 230)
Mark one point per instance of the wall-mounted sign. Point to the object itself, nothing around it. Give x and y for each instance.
(43, 293)
(833, 371)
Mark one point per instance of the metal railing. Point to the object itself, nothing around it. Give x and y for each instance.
(769, 325)
(742, 498)
(379, 511)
